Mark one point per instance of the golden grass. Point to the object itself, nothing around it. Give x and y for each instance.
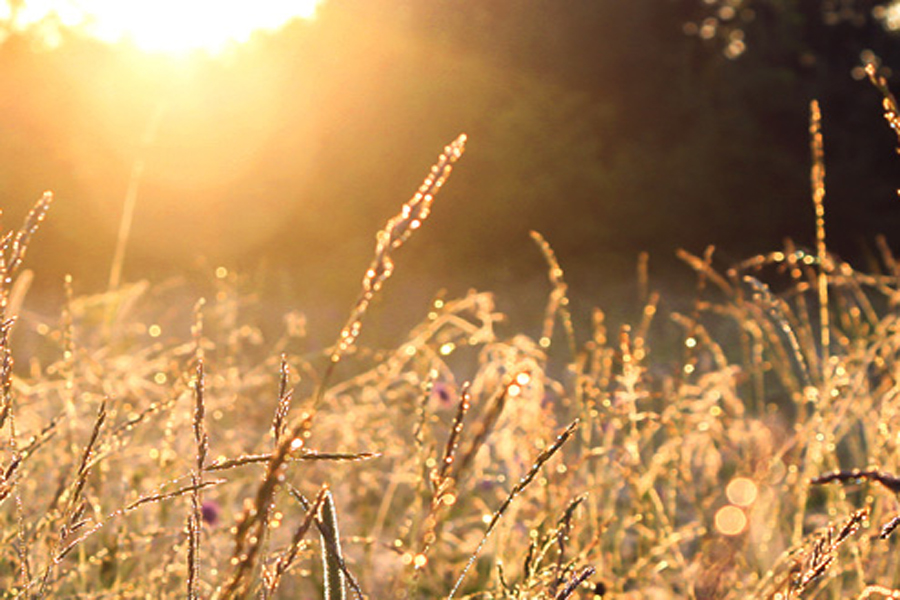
(755, 461)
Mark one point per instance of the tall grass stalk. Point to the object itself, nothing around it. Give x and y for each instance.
(745, 448)
(517, 489)
(395, 233)
(817, 182)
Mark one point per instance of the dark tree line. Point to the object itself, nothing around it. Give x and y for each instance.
(612, 127)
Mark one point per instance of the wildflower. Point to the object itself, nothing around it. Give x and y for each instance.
(210, 511)
(443, 393)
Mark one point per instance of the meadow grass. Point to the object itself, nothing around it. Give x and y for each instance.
(152, 453)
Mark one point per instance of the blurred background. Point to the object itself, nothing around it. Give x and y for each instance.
(276, 141)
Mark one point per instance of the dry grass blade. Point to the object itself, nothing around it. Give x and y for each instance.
(337, 456)
(441, 482)
(531, 558)
(494, 407)
(135, 420)
(279, 421)
(201, 439)
(98, 525)
(6, 367)
(886, 479)
(558, 304)
(889, 481)
(83, 532)
(37, 441)
(332, 558)
(824, 550)
(284, 562)
(817, 181)
(85, 465)
(889, 528)
(394, 234)
(773, 307)
(889, 102)
(173, 494)
(251, 459)
(251, 528)
(14, 246)
(330, 541)
(809, 562)
(465, 401)
(11, 485)
(570, 589)
(564, 527)
(887, 256)
(884, 592)
(539, 462)
(72, 516)
(7, 475)
(704, 268)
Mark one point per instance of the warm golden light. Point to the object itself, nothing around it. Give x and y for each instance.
(730, 520)
(168, 26)
(889, 15)
(741, 491)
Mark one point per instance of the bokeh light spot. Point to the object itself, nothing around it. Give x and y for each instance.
(741, 491)
(730, 520)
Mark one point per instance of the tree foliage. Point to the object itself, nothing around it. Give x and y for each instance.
(612, 127)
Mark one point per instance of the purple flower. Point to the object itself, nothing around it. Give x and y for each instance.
(443, 393)
(209, 512)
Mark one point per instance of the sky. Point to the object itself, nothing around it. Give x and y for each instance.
(170, 26)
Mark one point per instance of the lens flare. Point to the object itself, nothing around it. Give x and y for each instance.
(164, 26)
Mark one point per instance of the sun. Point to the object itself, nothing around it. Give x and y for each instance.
(164, 26)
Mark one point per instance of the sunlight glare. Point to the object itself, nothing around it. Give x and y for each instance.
(166, 26)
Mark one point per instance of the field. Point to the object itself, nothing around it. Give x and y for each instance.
(151, 450)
